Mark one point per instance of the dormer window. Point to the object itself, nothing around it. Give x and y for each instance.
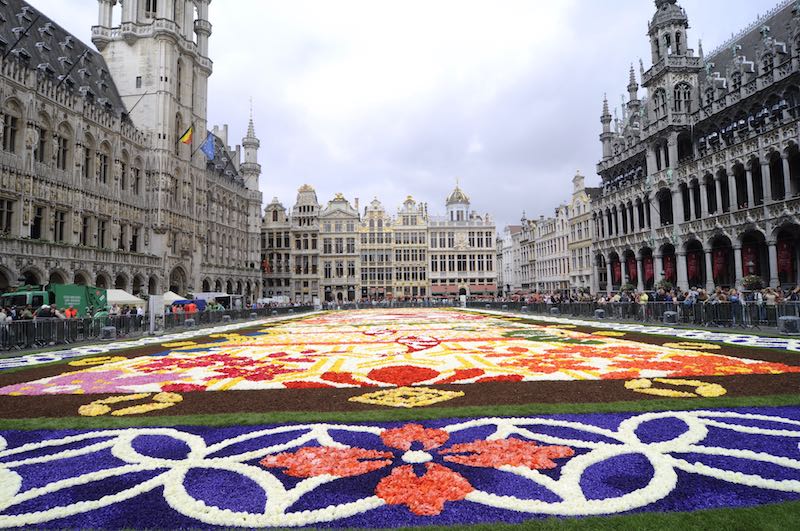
(21, 54)
(67, 43)
(46, 68)
(68, 81)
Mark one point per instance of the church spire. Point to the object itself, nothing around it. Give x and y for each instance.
(632, 85)
(250, 168)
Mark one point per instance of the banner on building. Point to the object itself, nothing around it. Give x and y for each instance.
(647, 266)
(693, 266)
(750, 260)
(632, 273)
(669, 267)
(616, 272)
(719, 263)
(784, 258)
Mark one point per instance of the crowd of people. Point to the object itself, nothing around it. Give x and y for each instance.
(47, 311)
(717, 307)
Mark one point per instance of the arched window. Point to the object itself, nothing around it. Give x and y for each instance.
(678, 42)
(88, 168)
(136, 176)
(123, 172)
(178, 132)
(660, 103)
(61, 144)
(103, 162)
(11, 122)
(682, 98)
(41, 151)
(179, 81)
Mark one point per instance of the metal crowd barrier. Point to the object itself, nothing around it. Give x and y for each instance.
(38, 333)
(707, 314)
(444, 303)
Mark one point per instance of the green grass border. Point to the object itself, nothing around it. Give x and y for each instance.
(389, 415)
(771, 517)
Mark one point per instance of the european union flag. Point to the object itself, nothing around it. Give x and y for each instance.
(208, 147)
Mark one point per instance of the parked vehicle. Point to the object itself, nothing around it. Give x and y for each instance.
(59, 295)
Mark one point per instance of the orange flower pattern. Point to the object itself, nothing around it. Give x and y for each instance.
(424, 494)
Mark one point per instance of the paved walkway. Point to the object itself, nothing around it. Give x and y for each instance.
(697, 334)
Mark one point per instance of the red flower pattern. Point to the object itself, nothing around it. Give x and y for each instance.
(427, 494)
(513, 452)
(424, 495)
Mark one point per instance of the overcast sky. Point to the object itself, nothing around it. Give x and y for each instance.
(390, 98)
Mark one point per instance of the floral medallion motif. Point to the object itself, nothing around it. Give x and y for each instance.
(379, 475)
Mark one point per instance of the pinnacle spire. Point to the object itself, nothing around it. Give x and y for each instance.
(251, 130)
(606, 112)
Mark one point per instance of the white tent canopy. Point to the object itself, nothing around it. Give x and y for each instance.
(170, 297)
(123, 298)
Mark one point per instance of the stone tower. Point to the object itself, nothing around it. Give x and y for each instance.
(250, 168)
(671, 84)
(158, 58)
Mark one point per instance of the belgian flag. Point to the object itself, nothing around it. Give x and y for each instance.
(186, 137)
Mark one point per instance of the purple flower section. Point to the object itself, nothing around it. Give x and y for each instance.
(616, 476)
(225, 489)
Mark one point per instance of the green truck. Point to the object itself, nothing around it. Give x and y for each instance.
(59, 296)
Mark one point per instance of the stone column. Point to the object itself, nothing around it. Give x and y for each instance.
(675, 210)
(683, 277)
(608, 277)
(692, 204)
(703, 199)
(751, 198)
(718, 190)
(766, 181)
(658, 267)
(773, 264)
(650, 213)
(732, 192)
(639, 277)
(635, 211)
(709, 272)
(672, 146)
(787, 176)
(129, 11)
(631, 218)
(104, 18)
(737, 265)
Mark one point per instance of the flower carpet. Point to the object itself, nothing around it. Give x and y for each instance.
(388, 418)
